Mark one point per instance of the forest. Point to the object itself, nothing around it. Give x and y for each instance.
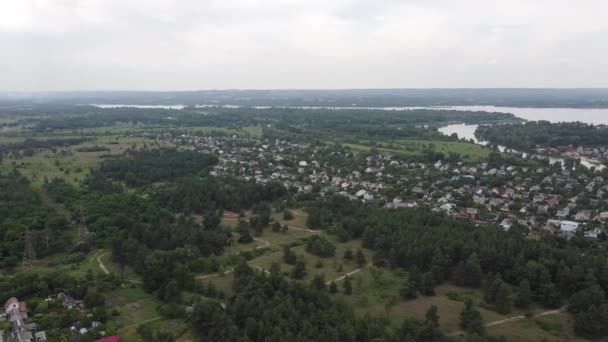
(535, 134)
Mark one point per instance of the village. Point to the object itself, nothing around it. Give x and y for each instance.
(541, 198)
(23, 329)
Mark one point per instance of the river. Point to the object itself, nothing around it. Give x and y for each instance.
(468, 132)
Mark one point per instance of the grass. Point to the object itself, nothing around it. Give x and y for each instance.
(559, 327)
(136, 307)
(413, 147)
(69, 163)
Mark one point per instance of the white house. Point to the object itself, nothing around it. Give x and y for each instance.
(568, 227)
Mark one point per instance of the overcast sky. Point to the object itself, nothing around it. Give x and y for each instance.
(220, 44)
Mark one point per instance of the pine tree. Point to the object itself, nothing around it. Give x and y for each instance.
(299, 270)
(431, 315)
(289, 256)
(360, 258)
(471, 320)
(348, 286)
(333, 288)
(503, 299)
(348, 254)
(472, 271)
(524, 295)
(408, 290)
(427, 284)
(439, 266)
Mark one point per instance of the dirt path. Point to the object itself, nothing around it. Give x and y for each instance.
(101, 265)
(105, 270)
(350, 273)
(207, 276)
(304, 229)
(265, 243)
(513, 319)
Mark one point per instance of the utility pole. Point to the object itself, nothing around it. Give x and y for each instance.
(29, 253)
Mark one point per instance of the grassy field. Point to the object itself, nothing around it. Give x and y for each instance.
(468, 152)
(558, 328)
(69, 163)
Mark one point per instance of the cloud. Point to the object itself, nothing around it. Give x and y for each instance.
(205, 44)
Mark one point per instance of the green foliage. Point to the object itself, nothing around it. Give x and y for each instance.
(142, 167)
(320, 246)
(470, 319)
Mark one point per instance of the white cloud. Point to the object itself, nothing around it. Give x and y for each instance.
(202, 44)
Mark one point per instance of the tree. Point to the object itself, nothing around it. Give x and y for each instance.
(348, 286)
(333, 288)
(439, 266)
(360, 258)
(318, 283)
(289, 256)
(93, 299)
(299, 270)
(584, 299)
(523, 299)
(593, 322)
(472, 271)
(172, 294)
(427, 284)
(470, 319)
(348, 254)
(320, 246)
(408, 290)
(503, 299)
(431, 315)
(287, 215)
(244, 232)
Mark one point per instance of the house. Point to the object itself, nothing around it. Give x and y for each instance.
(592, 234)
(24, 336)
(481, 200)
(583, 215)
(568, 228)
(472, 213)
(563, 213)
(109, 339)
(13, 303)
(40, 336)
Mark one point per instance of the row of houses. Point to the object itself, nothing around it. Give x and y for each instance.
(22, 330)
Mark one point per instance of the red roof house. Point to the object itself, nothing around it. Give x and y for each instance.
(109, 339)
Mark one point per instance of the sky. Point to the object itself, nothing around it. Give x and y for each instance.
(57, 45)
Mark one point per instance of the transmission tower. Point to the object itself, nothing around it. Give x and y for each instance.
(83, 231)
(29, 253)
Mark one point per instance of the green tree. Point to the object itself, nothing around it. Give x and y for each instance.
(431, 315)
(472, 271)
(299, 270)
(503, 299)
(360, 258)
(471, 320)
(348, 286)
(523, 299)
